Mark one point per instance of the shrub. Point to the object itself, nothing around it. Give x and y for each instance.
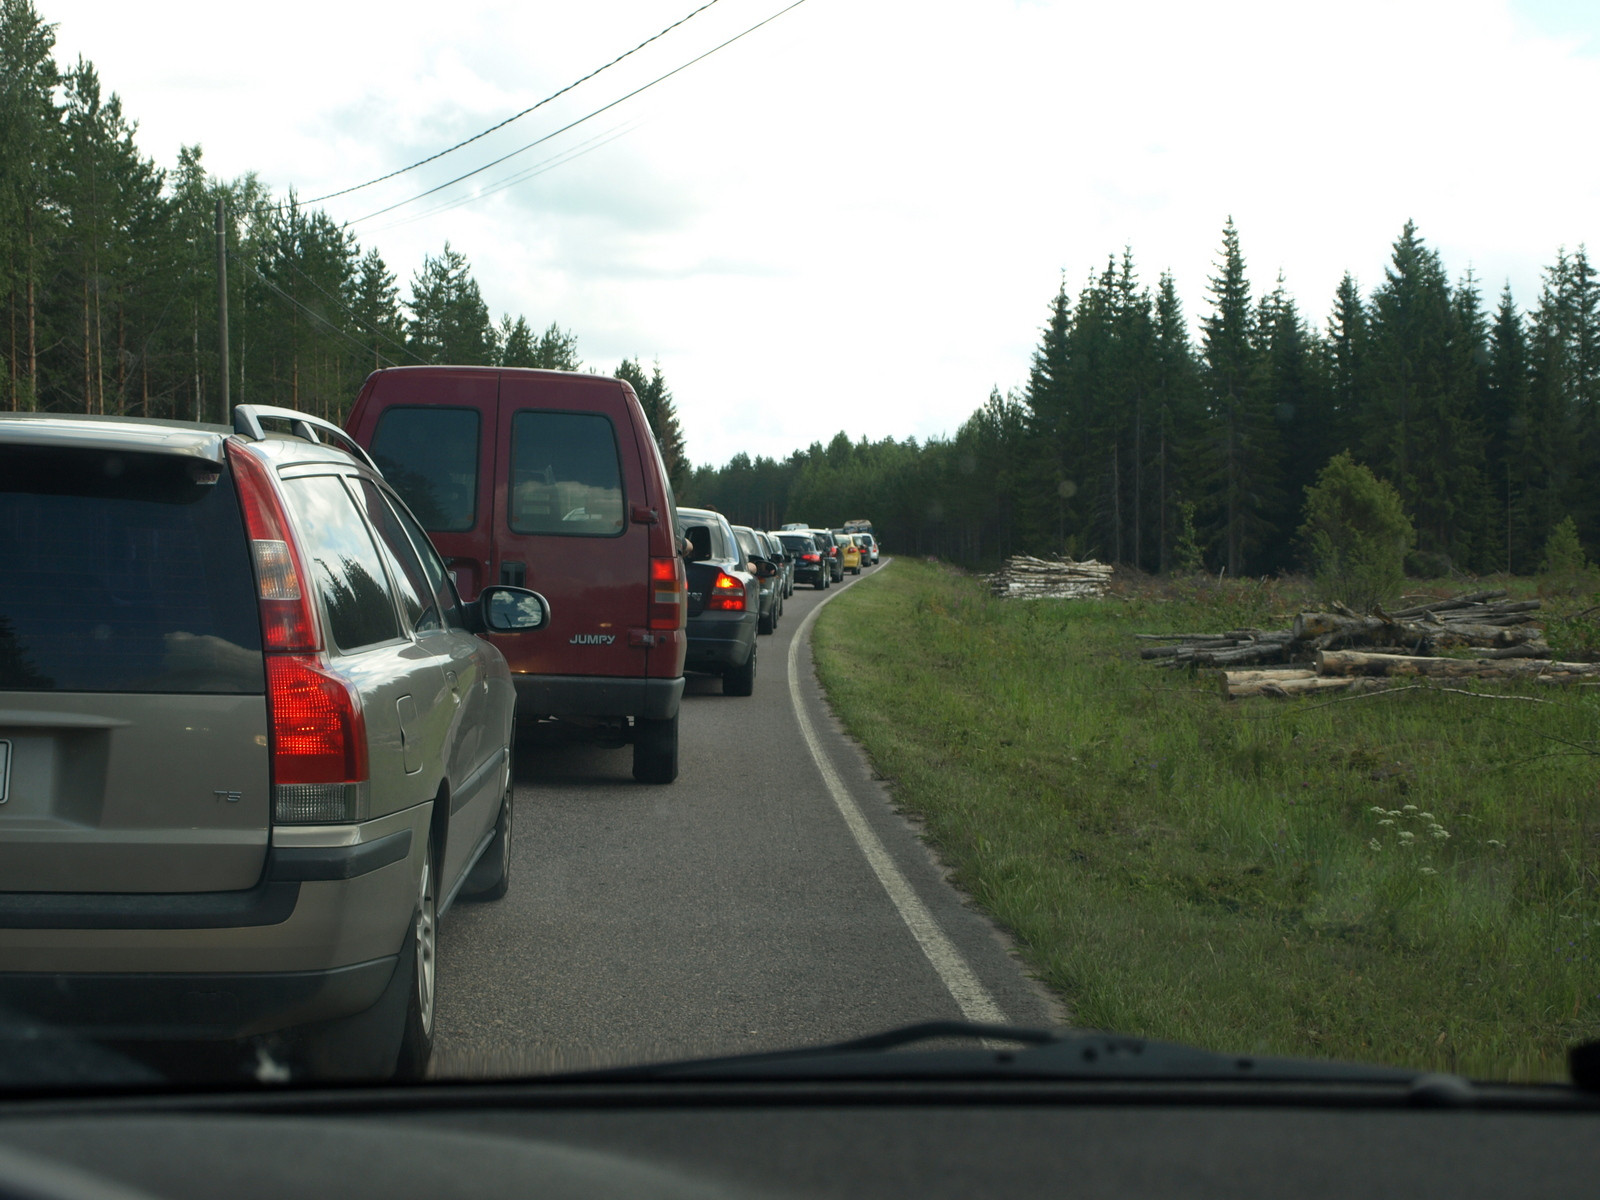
(1565, 568)
(1357, 534)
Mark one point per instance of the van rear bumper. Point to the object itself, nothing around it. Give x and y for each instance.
(597, 696)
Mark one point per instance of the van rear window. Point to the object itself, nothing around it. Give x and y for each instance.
(123, 572)
(430, 457)
(565, 477)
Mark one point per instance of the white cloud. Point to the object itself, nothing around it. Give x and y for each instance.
(856, 217)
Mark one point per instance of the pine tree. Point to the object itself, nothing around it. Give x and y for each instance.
(449, 321)
(1347, 358)
(1243, 486)
(1418, 431)
(375, 307)
(515, 345)
(1507, 424)
(656, 400)
(1295, 392)
(30, 133)
(1179, 418)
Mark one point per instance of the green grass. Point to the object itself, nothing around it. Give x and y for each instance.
(1235, 875)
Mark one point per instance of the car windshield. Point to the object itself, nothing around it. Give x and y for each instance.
(1208, 649)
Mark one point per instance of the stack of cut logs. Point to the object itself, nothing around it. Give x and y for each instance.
(1340, 650)
(1031, 578)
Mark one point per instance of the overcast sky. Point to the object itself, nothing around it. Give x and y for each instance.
(855, 217)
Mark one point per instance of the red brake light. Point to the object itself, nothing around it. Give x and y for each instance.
(319, 735)
(288, 620)
(727, 594)
(669, 588)
(811, 558)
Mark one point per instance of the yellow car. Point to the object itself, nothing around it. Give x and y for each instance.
(849, 553)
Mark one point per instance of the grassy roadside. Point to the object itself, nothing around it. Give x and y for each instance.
(1407, 878)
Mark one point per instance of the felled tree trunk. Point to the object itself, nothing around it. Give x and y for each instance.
(1356, 662)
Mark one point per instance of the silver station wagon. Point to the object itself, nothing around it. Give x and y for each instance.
(251, 747)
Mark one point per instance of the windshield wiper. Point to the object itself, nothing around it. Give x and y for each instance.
(1022, 1054)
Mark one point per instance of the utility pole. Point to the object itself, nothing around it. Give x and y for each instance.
(225, 416)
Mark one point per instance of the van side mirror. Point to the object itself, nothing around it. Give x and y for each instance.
(504, 609)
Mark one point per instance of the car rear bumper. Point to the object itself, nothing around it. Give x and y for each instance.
(719, 641)
(315, 939)
(134, 1006)
(597, 696)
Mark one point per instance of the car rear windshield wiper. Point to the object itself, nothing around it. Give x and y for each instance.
(1013, 1053)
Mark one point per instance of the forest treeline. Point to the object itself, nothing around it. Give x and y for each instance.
(1136, 442)
(108, 269)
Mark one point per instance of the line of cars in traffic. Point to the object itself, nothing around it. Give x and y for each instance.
(260, 686)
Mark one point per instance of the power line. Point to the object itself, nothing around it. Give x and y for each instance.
(515, 116)
(309, 311)
(579, 121)
(354, 316)
(538, 168)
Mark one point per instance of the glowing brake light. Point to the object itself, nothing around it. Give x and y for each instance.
(669, 589)
(727, 594)
(811, 558)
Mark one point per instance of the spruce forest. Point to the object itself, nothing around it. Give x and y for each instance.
(108, 273)
(1138, 443)
(1138, 438)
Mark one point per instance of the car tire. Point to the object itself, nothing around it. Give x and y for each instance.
(820, 585)
(491, 874)
(766, 623)
(655, 749)
(741, 681)
(416, 1042)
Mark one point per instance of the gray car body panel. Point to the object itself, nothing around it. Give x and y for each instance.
(185, 806)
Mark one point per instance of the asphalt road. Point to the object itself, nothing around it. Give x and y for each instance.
(734, 910)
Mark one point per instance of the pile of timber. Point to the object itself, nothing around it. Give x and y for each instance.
(1341, 650)
(1360, 671)
(1028, 578)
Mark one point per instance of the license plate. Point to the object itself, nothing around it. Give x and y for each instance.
(5, 770)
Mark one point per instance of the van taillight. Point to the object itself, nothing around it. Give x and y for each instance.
(668, 591)
(727, 594)
(319, 742)
(288, 620)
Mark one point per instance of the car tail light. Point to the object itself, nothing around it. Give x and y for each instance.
(288, 619)
(668, 591)
(318, 735)
(727, 594)
(811, 558)
(319, 742)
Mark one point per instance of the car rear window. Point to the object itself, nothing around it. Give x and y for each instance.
(343, 562)
(123, 572)
(801, 545)
(565, 475)
(430, 457)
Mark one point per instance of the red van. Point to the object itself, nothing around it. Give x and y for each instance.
(551, 480)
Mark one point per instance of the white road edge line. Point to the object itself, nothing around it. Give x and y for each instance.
(969, 994)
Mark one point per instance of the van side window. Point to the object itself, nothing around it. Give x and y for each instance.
(565, 477)
(430, 456)
(343, 563)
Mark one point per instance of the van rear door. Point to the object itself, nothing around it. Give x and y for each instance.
(567, 479)
(431, 431)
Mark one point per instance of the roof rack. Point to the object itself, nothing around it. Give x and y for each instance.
(247, 423)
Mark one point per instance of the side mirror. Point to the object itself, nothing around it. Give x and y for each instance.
(512, 610)
(764, 569)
